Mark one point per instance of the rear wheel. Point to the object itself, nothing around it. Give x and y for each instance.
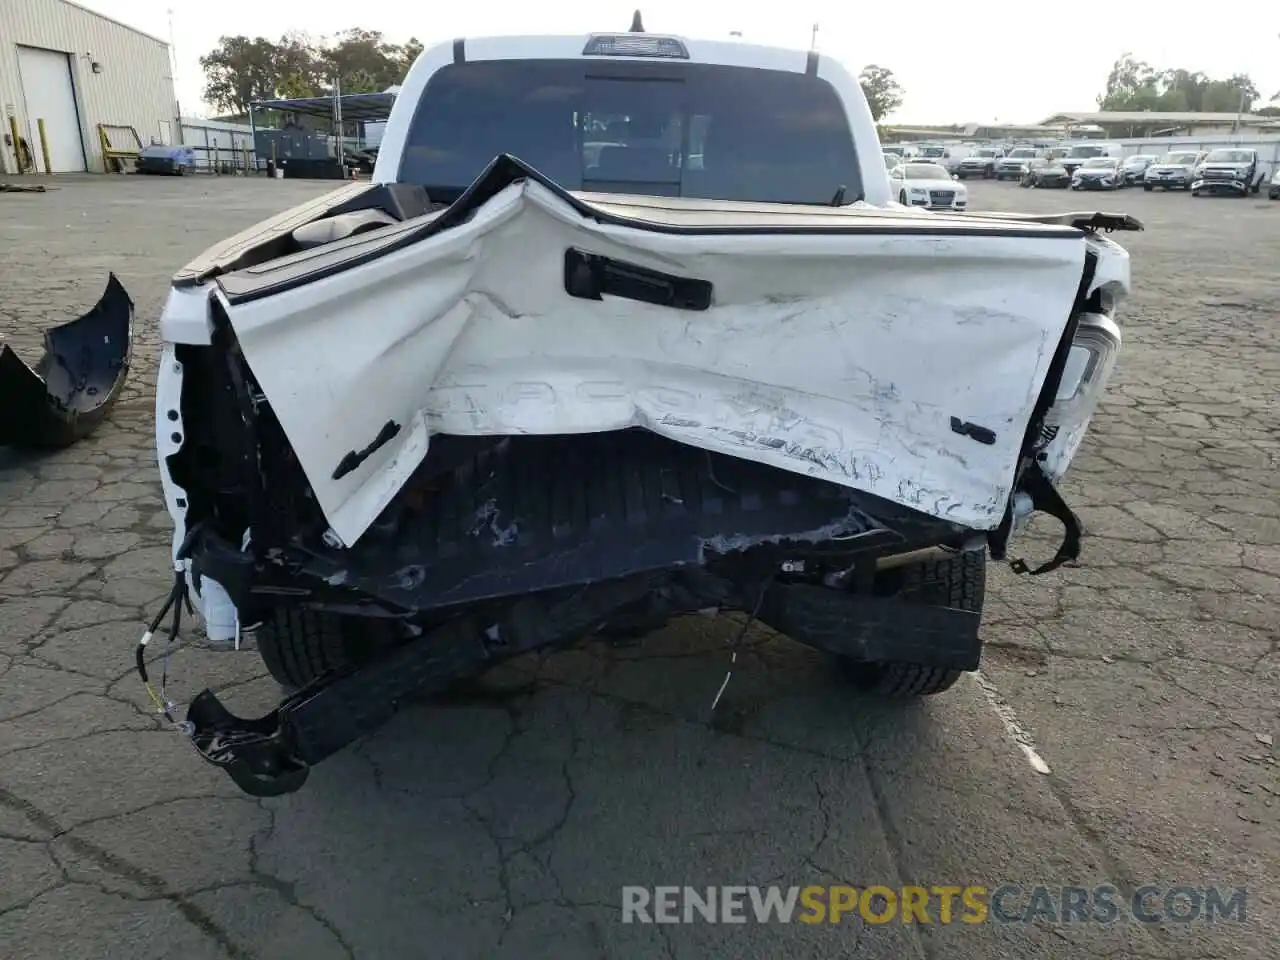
(902, 198)
(958, 582)
(298, 645)
(1147, 187)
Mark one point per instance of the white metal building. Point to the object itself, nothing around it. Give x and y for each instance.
(76, 69)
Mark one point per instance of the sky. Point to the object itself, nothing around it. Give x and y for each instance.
(956, 65)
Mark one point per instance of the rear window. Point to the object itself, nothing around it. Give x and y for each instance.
(692, 130)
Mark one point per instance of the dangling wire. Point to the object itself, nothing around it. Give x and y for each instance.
(737, 643)
(178, 598)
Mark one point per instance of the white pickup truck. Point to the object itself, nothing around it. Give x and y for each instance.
(625, 326)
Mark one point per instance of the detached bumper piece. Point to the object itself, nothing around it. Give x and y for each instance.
(272, 755)
(76, 383)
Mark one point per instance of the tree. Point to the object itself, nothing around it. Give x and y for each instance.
(299, 69)
(1135, 85)
(882, 90)
(361, 59)
(240, 70)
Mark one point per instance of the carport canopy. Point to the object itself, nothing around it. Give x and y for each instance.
(356, 107)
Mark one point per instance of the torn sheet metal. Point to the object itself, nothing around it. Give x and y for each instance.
(842, 346)
(76, 383)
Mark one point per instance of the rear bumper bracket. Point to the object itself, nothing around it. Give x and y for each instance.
(874, 629)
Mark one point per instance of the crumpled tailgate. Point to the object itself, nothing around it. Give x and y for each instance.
(898, 355)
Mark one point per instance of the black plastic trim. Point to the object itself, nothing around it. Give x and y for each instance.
(811, 63)
(404, 201)
(353, 458)
(460, 50)
(589, 276)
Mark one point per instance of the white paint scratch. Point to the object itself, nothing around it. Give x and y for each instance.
(1012, 726)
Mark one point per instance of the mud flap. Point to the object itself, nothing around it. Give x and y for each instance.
(1045, 498)
(76, 383)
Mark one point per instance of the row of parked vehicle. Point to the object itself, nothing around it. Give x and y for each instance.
(1103, 166)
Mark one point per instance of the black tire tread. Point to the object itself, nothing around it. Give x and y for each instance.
(958, 582)
(298, 645)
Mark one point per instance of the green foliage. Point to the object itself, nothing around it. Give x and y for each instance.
(882, 90)
(240, 69)
(1135, 85)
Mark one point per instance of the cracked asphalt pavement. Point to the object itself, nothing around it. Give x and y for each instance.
(504, 822)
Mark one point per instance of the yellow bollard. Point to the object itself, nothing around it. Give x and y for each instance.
(44, 147)
(17, 142)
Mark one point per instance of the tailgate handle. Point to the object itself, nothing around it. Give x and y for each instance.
(588, 276)
(983, 435)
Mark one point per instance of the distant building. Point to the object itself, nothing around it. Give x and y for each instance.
(974, 131)
(75, 69)
(1151, 123)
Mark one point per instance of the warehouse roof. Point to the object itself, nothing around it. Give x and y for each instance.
(1152, 116)
(118, 23)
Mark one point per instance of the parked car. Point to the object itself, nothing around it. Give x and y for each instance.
(1078, 153)
(1173, 170)
(1273, 191)
(167, 160)
(1046, 173)
(493, 400)
(980, 163)
(1233, 170)
(1134, 168)
(946, 155)
(1098, 173)
(1016, 163)
(928, 185)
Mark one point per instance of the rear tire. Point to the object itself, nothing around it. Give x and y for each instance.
(958, 582)
(298, 645)
(1147, 187)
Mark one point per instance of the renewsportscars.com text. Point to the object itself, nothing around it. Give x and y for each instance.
(944, 904)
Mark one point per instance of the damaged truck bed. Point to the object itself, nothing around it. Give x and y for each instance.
(406, 432)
